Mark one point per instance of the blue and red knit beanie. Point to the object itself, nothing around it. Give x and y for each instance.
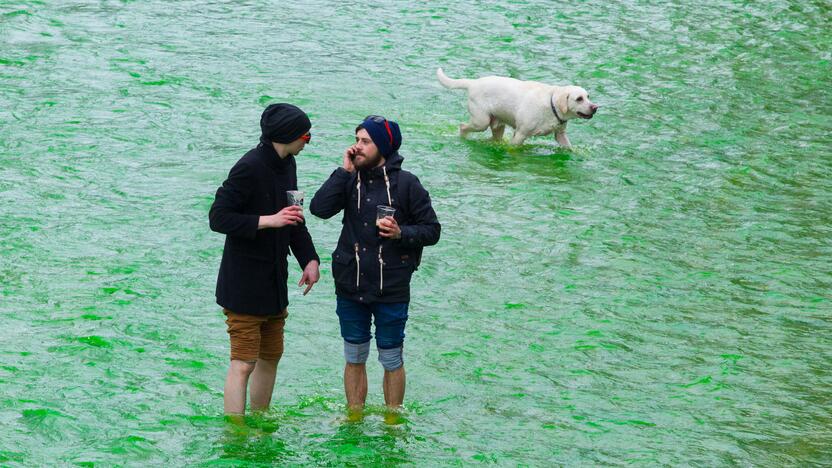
(385, 134)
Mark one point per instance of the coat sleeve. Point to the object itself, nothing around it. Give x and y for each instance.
(302, 247)
(226, 215)
(423, 229)
(331, 198)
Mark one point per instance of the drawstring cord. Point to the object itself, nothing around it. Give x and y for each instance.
(380, 270)
(357, 266)
(387, 184)
(357, 258)
(358, 187)
(380, 248)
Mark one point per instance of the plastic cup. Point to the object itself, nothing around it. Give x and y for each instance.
(295, 197)
(383, 211)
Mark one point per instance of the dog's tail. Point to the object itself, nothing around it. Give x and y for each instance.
(450, 82)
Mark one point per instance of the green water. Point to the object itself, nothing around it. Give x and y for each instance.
(660, 295)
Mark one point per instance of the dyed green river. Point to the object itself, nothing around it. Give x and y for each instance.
(660, 295)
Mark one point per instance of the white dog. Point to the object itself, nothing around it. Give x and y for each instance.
(529, 107)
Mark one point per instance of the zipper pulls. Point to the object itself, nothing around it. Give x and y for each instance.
(358, 188)
(380, 270)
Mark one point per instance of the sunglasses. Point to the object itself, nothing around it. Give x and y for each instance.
(306, 137)
(381, 120)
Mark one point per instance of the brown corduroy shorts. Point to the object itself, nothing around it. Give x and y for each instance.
(255, 336)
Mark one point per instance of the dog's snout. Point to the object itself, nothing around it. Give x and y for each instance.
(593, 108)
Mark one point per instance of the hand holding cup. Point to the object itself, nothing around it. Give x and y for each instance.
(387, 225)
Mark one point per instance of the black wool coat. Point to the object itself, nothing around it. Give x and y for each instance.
(254, 270)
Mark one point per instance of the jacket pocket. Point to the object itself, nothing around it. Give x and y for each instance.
(345, 271)
(397, 274)
(247, 284)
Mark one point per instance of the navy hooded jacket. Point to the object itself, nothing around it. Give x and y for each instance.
(368, 268)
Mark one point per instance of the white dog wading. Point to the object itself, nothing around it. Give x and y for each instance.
(531, 108)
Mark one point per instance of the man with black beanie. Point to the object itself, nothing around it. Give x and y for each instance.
(260, 225)
(376, 255)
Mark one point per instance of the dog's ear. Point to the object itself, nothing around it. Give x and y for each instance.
(562, 103)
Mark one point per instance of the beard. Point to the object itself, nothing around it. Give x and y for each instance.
(367, 162)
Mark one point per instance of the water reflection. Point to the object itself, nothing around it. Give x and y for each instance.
(380, 437)
(254, 439)
(371, 438)
(547, 161)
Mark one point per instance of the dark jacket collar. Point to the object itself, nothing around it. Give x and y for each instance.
(270, 157)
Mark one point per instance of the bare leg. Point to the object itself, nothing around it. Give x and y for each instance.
(234, 396)
(394, 384)
(355, 386)
(262, 384)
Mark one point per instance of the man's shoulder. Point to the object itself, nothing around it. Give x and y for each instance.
(408, 179)
(252, 159)
(254, 154)
(407, 176)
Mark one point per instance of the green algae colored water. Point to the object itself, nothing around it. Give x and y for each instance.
(659, 295)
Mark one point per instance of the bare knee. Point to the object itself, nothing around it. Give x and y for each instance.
(242, 368)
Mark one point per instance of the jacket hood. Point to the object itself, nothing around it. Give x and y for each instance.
(394, 161)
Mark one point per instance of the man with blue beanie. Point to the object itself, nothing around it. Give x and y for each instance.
(374, 260)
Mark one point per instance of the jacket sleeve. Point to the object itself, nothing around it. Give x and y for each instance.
(331, 198)
(423, 229)
(302, 247)
(226, 215)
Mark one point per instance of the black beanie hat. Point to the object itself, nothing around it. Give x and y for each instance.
(385, 134)
(284, 123)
